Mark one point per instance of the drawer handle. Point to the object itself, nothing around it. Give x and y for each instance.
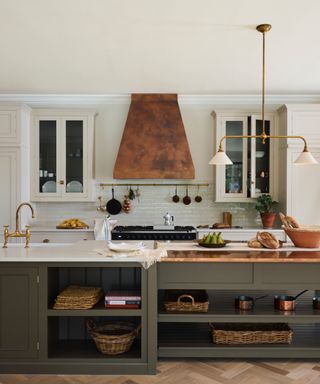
(46, 241)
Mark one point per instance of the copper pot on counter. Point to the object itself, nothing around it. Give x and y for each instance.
(286, 302)
(246, 303)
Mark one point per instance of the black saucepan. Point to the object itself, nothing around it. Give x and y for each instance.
(114, 206)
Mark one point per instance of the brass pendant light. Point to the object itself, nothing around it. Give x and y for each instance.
(305, 157)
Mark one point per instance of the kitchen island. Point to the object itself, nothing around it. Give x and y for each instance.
(35, 338)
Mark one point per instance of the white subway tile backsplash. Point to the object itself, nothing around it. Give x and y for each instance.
(153, 203)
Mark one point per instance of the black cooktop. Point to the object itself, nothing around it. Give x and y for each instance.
(148, 232)
(150, 228)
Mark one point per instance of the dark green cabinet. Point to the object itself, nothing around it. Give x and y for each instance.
(18, 312)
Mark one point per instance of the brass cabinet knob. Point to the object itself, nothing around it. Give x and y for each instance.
(46, 241)
(61, 182)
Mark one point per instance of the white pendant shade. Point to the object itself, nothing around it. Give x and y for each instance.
(305, 158)
(220, 158)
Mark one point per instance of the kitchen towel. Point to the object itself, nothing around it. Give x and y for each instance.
(103, 227)
(146, 257)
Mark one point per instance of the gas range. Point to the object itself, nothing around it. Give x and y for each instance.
(138, 232)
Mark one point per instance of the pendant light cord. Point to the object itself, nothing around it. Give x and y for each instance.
(263, 81)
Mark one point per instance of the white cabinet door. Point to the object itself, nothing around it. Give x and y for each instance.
(303, 189)
(300, 190)
(62, 156)
(9, 159)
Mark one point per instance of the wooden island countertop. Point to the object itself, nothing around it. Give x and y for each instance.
(237, 252)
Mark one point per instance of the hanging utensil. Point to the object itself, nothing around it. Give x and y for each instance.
(131, 194)
(138, 194)
(198, 198)
(176, 198)
(113, 205)
(101, 207)
(186, 200)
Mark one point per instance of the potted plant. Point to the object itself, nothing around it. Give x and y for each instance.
(264, 206)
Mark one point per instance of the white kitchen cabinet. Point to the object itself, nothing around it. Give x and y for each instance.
(14, 162)
(62, 155)
(254, 168)
(300, 186)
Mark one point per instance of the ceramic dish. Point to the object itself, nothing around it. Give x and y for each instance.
(74, 186)
(49, 186)
(212, 245)
(125, 247)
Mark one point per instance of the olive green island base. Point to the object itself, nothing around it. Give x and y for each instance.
(34, 338)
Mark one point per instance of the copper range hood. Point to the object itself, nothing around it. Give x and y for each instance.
(154, 144)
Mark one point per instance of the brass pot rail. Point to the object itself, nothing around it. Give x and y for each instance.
(153, 184)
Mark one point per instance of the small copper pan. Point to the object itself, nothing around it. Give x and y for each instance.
(246, 303)
(285, 302)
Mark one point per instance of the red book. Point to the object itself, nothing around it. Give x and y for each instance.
(124, 306)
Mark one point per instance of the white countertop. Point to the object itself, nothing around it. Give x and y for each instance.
(82, 251)
(274, 230)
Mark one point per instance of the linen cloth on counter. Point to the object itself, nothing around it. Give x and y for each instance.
(147, 257)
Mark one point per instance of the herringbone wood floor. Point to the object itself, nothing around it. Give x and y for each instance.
(196, 372)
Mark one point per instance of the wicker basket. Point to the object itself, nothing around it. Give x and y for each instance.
(182, 301)
(251, 333)
(113, 337)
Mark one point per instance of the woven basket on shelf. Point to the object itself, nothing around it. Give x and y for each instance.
(233, 333)
(190, 301)
(113, 337)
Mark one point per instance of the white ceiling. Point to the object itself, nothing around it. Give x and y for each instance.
(181, 46)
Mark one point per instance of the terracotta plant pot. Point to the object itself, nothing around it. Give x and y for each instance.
(268, 219)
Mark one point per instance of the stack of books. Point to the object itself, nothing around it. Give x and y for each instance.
(122, 299)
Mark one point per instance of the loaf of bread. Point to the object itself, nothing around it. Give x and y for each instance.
(220, 225)
(288, 221)
(254, 243)
(292, 222)
(268, 240)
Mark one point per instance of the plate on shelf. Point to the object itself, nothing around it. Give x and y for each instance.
(49, 186)
(259, 154)
(74, 186)
(125, 247)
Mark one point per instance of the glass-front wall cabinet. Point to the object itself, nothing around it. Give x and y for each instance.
(251, 173)
(62, 165)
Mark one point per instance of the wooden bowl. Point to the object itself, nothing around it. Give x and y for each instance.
(304, 237)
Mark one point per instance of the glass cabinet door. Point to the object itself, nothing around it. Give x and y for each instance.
(47, 156)
(260, 164)
(236, 150)
(62, 155)
(74, 166)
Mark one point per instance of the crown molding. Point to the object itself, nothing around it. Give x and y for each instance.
(58, 100)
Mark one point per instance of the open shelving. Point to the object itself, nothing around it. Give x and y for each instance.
(188, 334)
(194, 340)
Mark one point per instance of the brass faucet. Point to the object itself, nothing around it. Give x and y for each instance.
(17, 232)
